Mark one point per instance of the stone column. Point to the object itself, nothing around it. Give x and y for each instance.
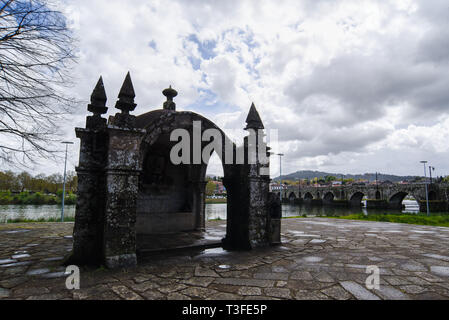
(122, 180)
(89, 214)
(248, 193)
(199, 204)
(258, 211)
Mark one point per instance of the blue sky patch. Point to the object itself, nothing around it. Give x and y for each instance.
(206, 48)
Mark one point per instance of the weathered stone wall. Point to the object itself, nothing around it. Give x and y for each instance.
(91, 197)
(122, 180)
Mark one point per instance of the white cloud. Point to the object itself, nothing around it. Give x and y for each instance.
(348, 83)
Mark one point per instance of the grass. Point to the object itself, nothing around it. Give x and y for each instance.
(436, 219)
(216, 200)
(441, 220)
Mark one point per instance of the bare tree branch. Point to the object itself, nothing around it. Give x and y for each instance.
(36, 52)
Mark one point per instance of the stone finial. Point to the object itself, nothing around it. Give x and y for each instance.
(253, 120)
(97, 106)
(98, 99)
(170, 94)
(126, 96)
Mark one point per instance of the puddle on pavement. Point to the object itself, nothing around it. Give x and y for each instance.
(32, 244)
(7, 261)
(208, 237)
(212, 252)
(317, 241)
(313, 259)
(436, 256)
(55, 274)
(20, 256)
(421, 231)
(36, 272)
(16, 264)
(53, 259)
(440, 270)
(16, 231)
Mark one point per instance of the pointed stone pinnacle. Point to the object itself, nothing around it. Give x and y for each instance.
(126, 96)
(253, 120)
(99, 94)
(127, 89)
(98, 99)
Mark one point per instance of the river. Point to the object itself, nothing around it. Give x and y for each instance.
(213, 211)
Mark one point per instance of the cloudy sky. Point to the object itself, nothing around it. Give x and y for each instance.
(351, 86)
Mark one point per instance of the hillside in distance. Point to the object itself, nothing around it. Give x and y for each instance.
(308, 174)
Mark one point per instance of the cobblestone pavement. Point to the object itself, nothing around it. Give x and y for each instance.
(320, 259)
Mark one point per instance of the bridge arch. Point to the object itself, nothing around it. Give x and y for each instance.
(356, 199)
(292, 197)
(395, 201)
(328, 198)
(378, 195)
(308, 196)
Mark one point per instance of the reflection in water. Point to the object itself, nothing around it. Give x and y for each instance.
(218, 211)
(289, 210)
(34, 212)
(213, 211)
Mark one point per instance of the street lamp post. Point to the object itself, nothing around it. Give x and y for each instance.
(63, 186)
(430, 173)
(425, 181)
(280, 172)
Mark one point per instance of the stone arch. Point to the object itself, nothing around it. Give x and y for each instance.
(377, 195)
(318, 196)
(328, 198)
(292, 197)
(395, 201)
(356, 199)
(308, 196)
(183, 184)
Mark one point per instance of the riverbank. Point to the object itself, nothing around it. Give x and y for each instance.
(35, 198)
(222, 200)
(40, 220)
(439, 220)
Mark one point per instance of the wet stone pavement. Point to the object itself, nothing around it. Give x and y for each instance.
(319, 259)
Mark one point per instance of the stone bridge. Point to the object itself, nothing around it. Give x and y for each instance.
(380, 196)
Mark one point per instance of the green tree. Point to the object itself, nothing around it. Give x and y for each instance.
(210, 188)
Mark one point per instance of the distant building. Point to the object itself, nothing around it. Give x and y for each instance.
(219, 187)
(275, 187)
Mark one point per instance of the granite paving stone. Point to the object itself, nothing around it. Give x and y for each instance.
(320, 258)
